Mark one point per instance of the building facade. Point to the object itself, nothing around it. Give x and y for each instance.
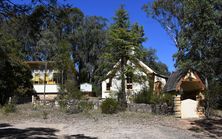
(46, 79)
(142, 77)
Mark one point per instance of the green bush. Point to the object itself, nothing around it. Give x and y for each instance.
(97, 90)
(167, 98)
(85, 106)
(143, 97)
(73, 109)
(70, 90)
(62, 104)
(148, 97)
(9, 108)
(109, 106)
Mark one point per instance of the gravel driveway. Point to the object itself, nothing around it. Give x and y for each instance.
(48, 122)
(81, 126)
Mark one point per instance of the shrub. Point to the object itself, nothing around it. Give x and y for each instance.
(44, 114)
(96, 89)
(148, 97)
(69, 106)
(109, 106)
(69, 91)
(85, 106)
(70, 94)
(167, 98)
(62, 104)
(73, 109)
(143, 97)
(9, 108)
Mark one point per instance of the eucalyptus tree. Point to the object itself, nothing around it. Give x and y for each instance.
(15, 76)
(196, 28)
(88, 41)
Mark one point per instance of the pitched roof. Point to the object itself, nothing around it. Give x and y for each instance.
(173, 80)
(146, 69)
(176, 78)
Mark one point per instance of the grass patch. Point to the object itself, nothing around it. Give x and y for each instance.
(9, 108)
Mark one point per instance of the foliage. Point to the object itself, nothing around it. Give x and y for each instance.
(144, 96)
(196, 29)
(45, 30)
(124, 43)
(9, 108)
(167, 98)
(213, 98)
(15, 76)
(62, 104)
(109, 106)
(88, 42)
(85, 106)
(147, 96)
(48, 26)
(71, 91)
(97, 90)
(44, 114)
(197, 47)
(73, 106)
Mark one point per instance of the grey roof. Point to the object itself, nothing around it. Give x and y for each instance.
(173, 80)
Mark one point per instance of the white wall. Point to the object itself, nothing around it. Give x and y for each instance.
(116, 85)
(49, 88)
(136, 86)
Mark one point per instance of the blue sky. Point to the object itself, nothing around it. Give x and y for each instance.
(157, 37)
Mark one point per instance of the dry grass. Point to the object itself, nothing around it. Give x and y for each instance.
(93, 123)
(50, 114)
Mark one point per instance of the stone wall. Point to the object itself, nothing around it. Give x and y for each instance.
(140, 107)
(151, 108)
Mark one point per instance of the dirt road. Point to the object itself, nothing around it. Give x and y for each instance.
(48, 122)
(119, 126)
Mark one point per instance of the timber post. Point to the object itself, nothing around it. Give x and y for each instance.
(33, 99)
(45, 83)
(10, 100)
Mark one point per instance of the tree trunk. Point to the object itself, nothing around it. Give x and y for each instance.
(122, 93)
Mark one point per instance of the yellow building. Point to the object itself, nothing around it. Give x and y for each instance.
(46, 79)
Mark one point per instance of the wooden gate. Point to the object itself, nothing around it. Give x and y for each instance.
(189, 108)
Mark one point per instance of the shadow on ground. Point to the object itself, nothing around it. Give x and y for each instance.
(79, 136)
(2, 125)
(211, 127)
(6, 131)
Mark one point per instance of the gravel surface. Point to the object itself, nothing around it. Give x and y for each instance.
(125, 125)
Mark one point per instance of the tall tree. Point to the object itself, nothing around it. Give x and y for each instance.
(196, 28)
(124, 43)
(15, 76)
(88, 41)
